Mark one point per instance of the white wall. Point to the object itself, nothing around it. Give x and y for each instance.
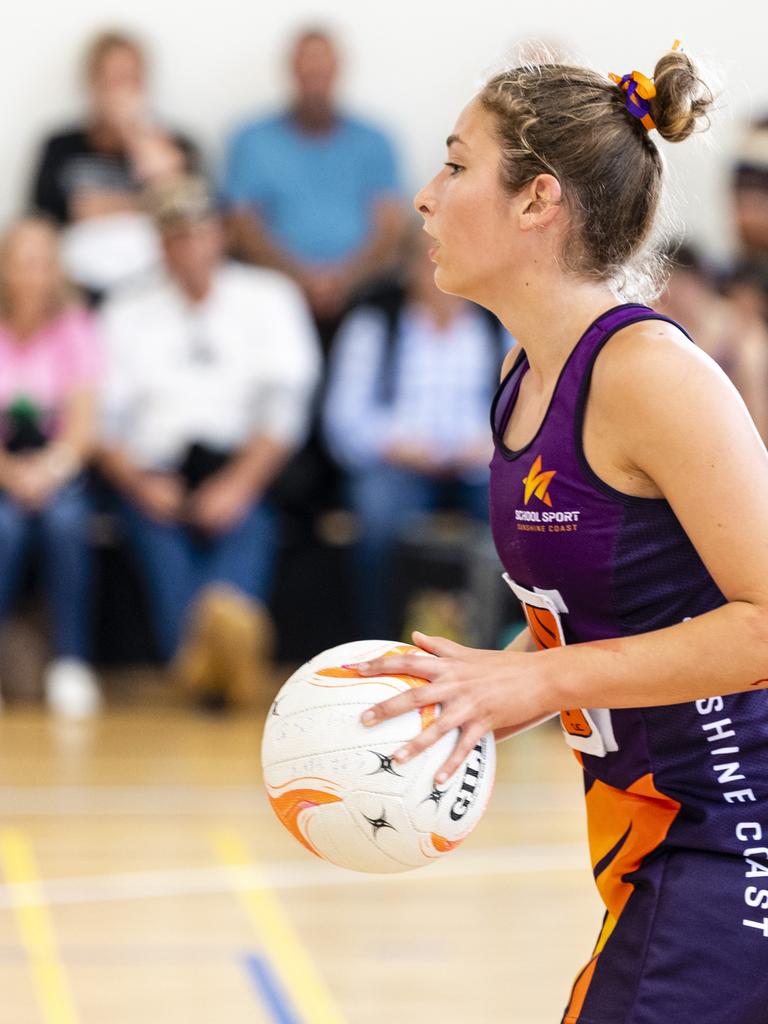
(411, 65)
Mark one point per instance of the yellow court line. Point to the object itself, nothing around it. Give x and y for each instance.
(37, 934)
(290, 959)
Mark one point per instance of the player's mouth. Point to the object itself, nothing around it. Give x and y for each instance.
(432, 251)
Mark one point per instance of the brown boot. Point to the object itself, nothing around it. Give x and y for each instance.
(225, 655)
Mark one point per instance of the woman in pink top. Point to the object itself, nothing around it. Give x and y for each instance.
(49, 365)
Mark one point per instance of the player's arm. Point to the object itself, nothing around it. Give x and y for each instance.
(523, 644)
(699, 447)
(696, 446)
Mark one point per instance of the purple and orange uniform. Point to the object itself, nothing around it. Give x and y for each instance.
(677, 796)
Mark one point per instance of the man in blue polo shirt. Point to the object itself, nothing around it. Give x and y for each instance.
(314, 192)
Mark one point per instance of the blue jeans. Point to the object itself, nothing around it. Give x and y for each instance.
(385, 498)
(60, 532)
(176, 564)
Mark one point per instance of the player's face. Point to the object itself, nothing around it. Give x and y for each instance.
(468, 213)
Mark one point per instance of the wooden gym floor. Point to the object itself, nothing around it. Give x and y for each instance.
(144, 879)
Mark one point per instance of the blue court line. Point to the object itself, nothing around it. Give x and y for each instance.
(269, 988)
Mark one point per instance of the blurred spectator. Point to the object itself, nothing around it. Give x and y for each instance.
(91, 177)
(313, 191)
(746, 285)
(49, 368)
(406, 414)
(750, 194)
(210, 375)
(730, 332)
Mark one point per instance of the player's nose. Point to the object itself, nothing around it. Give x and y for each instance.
(424, 201)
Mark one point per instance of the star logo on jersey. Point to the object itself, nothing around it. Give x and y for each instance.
(537, 483)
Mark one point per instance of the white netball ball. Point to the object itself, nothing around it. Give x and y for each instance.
(333, 784)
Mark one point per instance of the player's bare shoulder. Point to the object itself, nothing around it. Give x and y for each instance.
(652, 386)
(653, 366)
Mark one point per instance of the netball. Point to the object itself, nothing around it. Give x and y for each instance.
(332, 782)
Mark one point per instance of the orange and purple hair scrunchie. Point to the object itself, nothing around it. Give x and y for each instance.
(640, 91)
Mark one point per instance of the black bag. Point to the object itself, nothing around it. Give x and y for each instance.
(201, 462)
(23, 427)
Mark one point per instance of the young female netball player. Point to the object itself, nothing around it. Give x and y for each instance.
(629, 505)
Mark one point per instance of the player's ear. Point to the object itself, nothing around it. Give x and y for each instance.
(540, 202)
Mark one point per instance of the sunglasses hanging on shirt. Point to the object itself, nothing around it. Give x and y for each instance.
(201, 349)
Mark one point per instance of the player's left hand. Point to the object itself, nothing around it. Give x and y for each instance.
(478, 691)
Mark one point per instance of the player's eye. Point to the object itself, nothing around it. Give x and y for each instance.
(455, 168)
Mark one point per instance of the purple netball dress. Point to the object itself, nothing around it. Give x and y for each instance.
(677, 796)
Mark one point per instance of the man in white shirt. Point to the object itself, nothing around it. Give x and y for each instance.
(211, 371)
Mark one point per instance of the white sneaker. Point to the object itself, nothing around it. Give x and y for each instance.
(71, 688)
